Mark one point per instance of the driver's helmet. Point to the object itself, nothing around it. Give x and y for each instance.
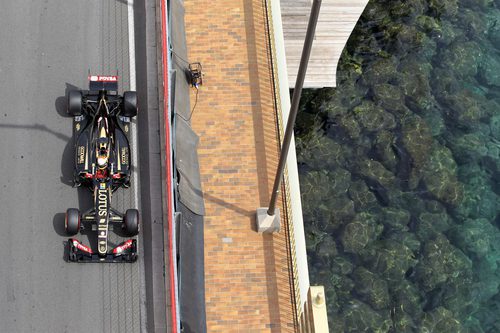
(102, 152)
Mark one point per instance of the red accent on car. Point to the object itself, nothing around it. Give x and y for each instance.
(103, 78)
(122, 247)
(81, 247)
(101, 174)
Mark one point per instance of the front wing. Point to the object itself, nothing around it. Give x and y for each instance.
(125, 252)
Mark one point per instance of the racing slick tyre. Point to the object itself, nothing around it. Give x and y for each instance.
(129, 105)
(72, 221)
(75, 103)
(131, 222)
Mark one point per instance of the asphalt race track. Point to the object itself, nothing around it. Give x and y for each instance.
(47, 48)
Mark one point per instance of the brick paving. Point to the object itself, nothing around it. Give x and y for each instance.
(246, 273)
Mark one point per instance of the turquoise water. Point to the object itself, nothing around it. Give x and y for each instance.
(400, 168)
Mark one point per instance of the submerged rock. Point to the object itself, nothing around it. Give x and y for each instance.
(440, 263)
(417, 91)
(341, 287)
(389, 96)
(380, 71)
(477, 238)
(465, 109)
(373, 118)
(447, 8)
(439, 175)
(320, 152)
(384, 149)
(465, 58)
(489, 71)
(372, 289)
(481, 4)
(327, 249)
(417, 138)
(341, 265)
(406, 8)
(363, 198)
(359, 317)
(349, 125)
(494, 28)
(358, 233)
(475, 23)
(313, 237)
(495, 126)
(389, 259)
(433, 117)
(448, 33)
(407, 297)
(445, 84)
(401, 321)
(400, 167)
(430, 225)
(428, 24)
(407, 239)
(395, 219)
(374, 172)
(468, 147)
(479, 200)
(440, 320)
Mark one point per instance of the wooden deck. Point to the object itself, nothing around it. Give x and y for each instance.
(336, 21)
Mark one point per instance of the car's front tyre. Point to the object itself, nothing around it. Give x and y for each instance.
(131, 222)
(72, 221)
(129, 105)
(75, 103)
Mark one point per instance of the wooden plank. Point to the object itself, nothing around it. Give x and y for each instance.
(336, 21)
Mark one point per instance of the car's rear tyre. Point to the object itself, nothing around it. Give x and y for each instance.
(72, 221)
(75, 103)
(129, 105)
(131, 222)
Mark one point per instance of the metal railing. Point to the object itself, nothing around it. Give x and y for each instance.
(310, 316)
(287, 216)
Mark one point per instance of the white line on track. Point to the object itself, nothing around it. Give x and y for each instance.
(131, 47)
(135, 160)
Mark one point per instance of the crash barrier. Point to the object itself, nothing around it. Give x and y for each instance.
(309, 302)
(170, 257)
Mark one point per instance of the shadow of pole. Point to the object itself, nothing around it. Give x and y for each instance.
(67, 163)
(225, 204)
(37, 127)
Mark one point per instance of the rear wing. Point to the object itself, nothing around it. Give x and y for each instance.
(103, 82)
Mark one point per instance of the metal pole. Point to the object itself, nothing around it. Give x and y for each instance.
(297, 92)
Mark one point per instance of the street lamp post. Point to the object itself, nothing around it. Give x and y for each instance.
(268, 219)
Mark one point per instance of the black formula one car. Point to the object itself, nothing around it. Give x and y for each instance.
(101, 130)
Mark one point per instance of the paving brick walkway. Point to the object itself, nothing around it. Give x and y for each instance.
(246, 273)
